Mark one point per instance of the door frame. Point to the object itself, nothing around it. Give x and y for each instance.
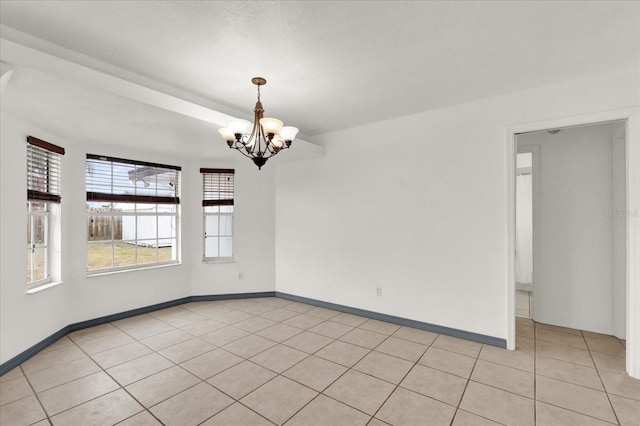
(535, 210)
(631, 117)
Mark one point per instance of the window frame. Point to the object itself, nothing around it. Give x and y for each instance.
(137, 203)
(32, 248)
(218, 202)
(44, 161)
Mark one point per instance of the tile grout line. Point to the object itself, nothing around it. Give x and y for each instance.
(329, 385)
(116, 381)
(73, 343)
(35, 394)
(403, 377)
(475, 362)
(279, 374)
(62, 384)
(341, 375)
(600, 377)
(174, 365)
(201, 380)
(119, 385)
(575, 384)
(563, 381)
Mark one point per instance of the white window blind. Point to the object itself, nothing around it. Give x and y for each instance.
(43, 170)
(217, 187)
(130, 181)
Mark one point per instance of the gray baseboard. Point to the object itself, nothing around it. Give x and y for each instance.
(33, 350)
(25, 355)
(476, 337)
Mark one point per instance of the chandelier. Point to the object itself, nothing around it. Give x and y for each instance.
(262, 140)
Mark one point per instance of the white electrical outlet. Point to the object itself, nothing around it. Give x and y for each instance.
(378, 291)
(240, 275)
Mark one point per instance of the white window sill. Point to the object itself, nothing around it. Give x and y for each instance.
(219, 260)
(119, 271)
(39, 288)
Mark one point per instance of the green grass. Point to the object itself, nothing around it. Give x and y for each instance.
(99, 255)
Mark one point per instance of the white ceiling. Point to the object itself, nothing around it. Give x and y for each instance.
(329, 65)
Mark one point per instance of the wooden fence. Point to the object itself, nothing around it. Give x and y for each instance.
(99, 227)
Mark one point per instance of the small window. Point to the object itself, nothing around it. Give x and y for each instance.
(43, 206)
(132, 214)
(217, 207)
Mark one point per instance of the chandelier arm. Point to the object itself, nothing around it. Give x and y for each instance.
(240, 150)
(238, 145)
(263, 140)
(272, 150)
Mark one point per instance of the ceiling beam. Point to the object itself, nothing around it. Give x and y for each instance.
(83, 70)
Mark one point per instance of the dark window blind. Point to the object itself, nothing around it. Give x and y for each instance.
(127, 181)
(217, 187)
(43, 170)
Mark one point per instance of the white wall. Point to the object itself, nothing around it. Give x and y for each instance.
(417, 205)
(254, 233)
(574, 253)
(26, 319)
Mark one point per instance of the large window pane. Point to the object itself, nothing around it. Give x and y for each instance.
(211, 225)
(128, 231)
(166, 227)
(39, 264)
(211, 247)
(147, 228)
(37, 241)
(226, 225)
(226, 247)
(39, 229)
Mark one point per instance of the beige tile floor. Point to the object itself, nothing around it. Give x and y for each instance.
(272, 361)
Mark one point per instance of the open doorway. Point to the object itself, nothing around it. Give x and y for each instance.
(524, 230)
(631, 213)
(570, 238)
